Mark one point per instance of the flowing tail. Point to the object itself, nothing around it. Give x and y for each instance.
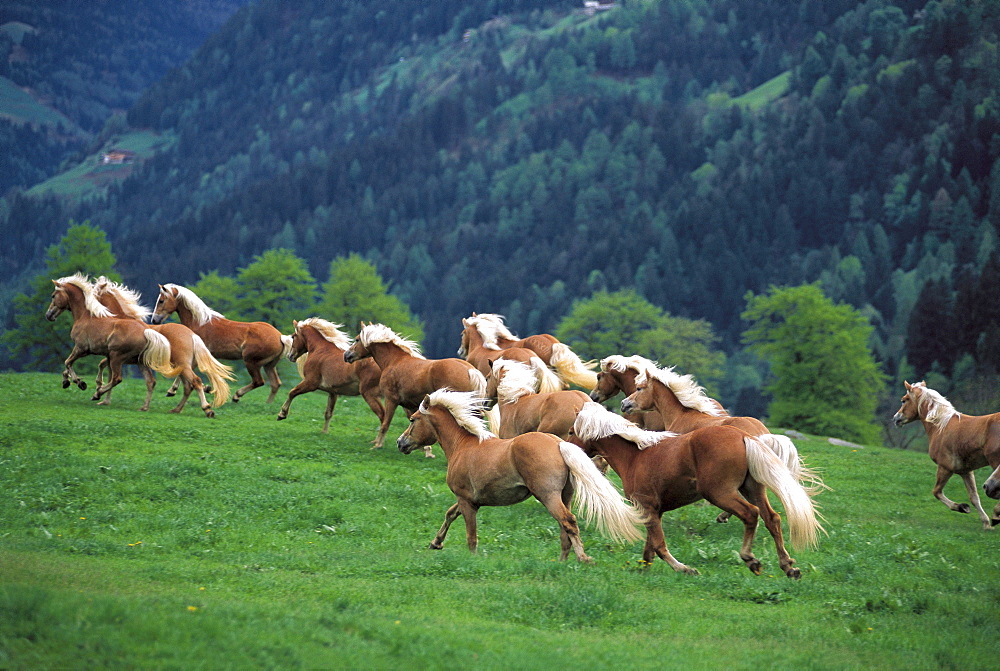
(547, 380)
(286, 346)
(766, 468)
(598, 499)
(300, 364)
(571, 369)
(478, 382)
(493, 419)
(217, 373)
(785, 449)
(156, 354)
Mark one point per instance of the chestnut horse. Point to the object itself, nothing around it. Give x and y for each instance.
(322, 345)
(684, 407)
(661, 471)
(520, 409)
(957, 443)
(617, 374)
(258, 344)
(484, 470)
(474, 350)
(568, 366)
(96, 331)
(407, 376)
(187, 350)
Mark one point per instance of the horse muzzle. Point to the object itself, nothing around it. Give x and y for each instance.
(992, 488)
(405, 445)
(156, 319)
(52, 313)
(597, 397)
(900, 420)
(349, 357)
(629, 406)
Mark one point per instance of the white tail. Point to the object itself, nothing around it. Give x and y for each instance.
(493, 418)
(217, 372)
(156, 354)
(599, 500)
(571, 369)
(547, 380)
(478, 381)
(766, 468)
(286, 346)
(785, 449)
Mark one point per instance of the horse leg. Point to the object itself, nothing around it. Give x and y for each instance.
(100, 372)
(449, 517)
(373, 397)
(468, 510)
(390, 410)
(569, 530)
(303, 387)
(943, 475)
(656, 544)
(749, 514)
(331, 403)
(69, 375)
(147, 373)
(255, 380)
(271, 369)
(970, 485)
(115, 364)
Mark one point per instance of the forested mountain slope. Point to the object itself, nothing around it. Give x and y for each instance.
(66, 66)
(511, 156)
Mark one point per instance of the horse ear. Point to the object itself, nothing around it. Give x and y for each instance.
(907, 385)
(295, 324)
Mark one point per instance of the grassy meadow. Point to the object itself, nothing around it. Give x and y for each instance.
(133, 539)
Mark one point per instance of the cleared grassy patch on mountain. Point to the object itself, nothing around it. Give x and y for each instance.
(151, 539)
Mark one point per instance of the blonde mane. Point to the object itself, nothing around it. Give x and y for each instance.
(518, 380)
(595, 422)
(620, 364)
(937, 409)
(82, 282)
(331, 332)
(688, 392)
(374, 333)
(201, 312)
(491, 328)
(465, 406)
(127, 298)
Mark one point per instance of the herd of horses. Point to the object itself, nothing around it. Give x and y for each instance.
(508, 419)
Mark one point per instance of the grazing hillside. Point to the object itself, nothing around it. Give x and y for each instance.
(67, 67)
(513, 156)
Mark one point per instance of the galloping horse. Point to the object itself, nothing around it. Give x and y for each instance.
(474, 350)
(96, 331)
(484, 470)
(325, 369)
(661, 471)
(257, 344)
(187, 350)
(568, 366)
(520, 410)
(957, 443)
(406, 375)
(617, 374)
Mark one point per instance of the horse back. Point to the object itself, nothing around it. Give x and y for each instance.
(541, 344)
(228, 339)
(967, 442)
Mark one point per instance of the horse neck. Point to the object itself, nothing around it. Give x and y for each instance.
(625, 381)
(618, 452)
(387, 353)
(185, 315)
(110, 301)
(315, 340)
(666, 403)
(78, 304)
(451, 437)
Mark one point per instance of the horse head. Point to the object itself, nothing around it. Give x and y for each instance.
(909, 411)
(356, 352)
(420, 432)
(59, 302)
(641, 400)
(298, 347)
(607, 387)
(166, 305)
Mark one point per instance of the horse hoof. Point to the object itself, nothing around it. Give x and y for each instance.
(281, 417)
(210, 414)
(723, 518)
(994, 521)
(82, 385)
(236, 399)
(65, 384)
(690, 571)
(754, 567)
(435, 546)
(794, 574)
(430, 456)
(170, 394)
(963, 508)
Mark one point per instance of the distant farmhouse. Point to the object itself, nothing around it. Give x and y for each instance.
(591, 7)
(117, 157)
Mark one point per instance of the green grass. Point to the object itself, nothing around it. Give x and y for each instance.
(91, 178)
(19, 107)
(766, 93)
(157, 540)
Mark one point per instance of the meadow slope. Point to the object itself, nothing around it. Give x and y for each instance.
(160, 540)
